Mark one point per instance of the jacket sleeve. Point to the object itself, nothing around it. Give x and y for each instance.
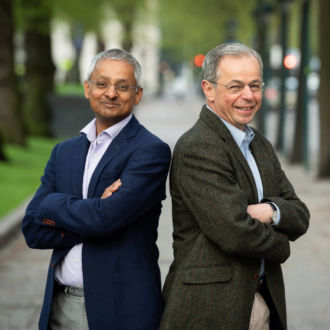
(204, 180)
(143, 187)
(36, 234)
(294, 220)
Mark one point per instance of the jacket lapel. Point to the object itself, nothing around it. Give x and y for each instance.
(78, 158)
(219, 127)
(264, 165)
(114, 149)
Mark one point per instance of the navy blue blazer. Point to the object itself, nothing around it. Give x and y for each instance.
(119, 258)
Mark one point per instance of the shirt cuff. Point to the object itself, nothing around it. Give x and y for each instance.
(278, 216)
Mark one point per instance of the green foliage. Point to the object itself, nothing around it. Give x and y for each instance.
(31, 14)
(314, 27)
(69, 89)
(88, 13)
(196, 27)
(123, 8)
(294, 29)
(295, 24)
(20, 176)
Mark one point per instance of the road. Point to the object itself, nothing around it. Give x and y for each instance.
(23, 271)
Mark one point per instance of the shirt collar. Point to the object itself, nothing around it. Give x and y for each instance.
(238, 135)
(111, 132)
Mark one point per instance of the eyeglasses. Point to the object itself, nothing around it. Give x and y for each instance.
(104, 85)
(237, 87)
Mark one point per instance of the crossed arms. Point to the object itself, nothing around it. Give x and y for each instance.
(57, 219)
(262, 212)
(218, 195)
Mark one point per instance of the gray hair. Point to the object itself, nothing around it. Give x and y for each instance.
(117, 54)
(215, 55)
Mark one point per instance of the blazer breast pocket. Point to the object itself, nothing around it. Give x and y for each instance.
(207, 274)
(105, 180)
(110, 176)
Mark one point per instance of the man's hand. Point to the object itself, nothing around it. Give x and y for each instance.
(262, 212)
(108, 191)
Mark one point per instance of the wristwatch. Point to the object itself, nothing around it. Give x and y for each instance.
(274, 215)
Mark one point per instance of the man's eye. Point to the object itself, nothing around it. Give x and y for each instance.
(235, 88)
(101, 84)
(255, 86)
(122, 88)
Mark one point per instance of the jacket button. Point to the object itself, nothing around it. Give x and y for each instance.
(53, 266)
(49, 222)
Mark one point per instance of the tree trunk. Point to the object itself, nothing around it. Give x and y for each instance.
(11, 128)
(40, 69)
(300, 143)
(283, 75)
(128, 35)
(127, 15)
(2, 152)
(262, 15)
(324, 92)
(77, 33)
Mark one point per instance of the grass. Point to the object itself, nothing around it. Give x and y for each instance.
(70, 89)
(20, 176)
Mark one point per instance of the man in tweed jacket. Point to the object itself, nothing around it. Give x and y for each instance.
(234, 210)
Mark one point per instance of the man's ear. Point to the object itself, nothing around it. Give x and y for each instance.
(86, 88)
(208, 90)
(138, 95)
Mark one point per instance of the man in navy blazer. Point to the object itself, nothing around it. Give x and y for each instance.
(98, 208)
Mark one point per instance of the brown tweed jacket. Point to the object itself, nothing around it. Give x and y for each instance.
(217, 246)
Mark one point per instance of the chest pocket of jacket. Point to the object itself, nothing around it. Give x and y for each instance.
(105, 180)
(203, 275)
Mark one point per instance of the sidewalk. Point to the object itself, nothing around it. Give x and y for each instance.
(307, 280)
(306, 273)
(11, 223)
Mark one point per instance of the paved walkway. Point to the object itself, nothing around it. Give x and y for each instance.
(307, 271)
(23, 271)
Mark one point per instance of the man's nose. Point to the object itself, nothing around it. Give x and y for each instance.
(247, 93)
(111, 91)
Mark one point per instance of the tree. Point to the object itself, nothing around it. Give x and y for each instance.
(2, 153)
(34, 17)
(262, 15)
(87, 16)
(284, 73)
(300, 142)
(192, 27)
(324, 92)
(127, 13)
(83, 16)
(11, 128)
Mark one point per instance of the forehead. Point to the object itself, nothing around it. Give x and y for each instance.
(243, 67)
(114, 70)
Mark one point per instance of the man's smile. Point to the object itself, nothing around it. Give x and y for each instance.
(109, 104)
(246, 109)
